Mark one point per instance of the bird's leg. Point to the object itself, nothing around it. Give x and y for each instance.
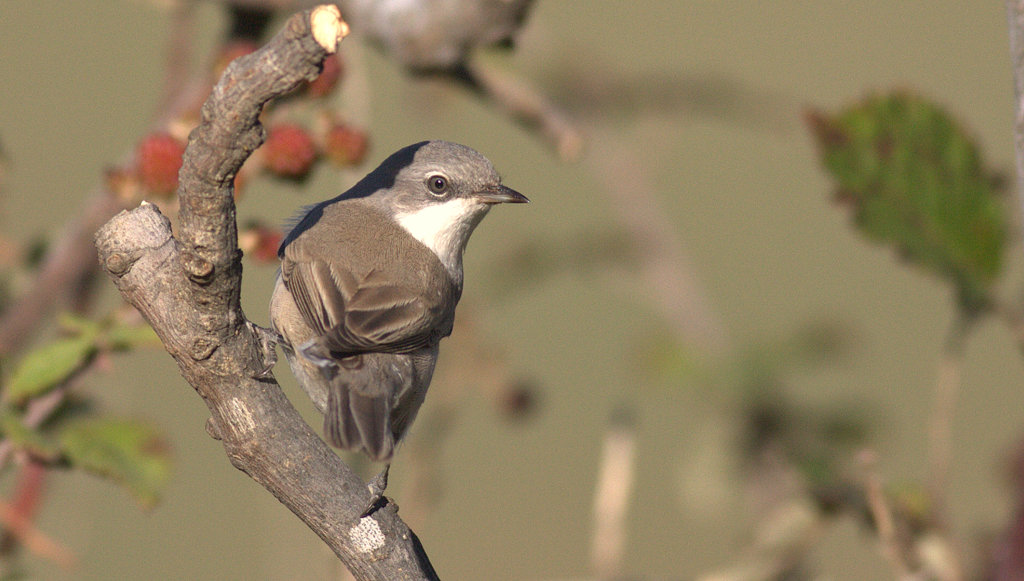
(268, 338)
(377, 486)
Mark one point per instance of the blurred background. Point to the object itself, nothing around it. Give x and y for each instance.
(686, 282)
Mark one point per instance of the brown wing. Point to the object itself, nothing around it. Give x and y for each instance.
(372, 312)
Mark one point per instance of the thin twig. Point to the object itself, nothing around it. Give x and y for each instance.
(35, 540)
(39, 409)
(940, 431)
(1015, 18)
(666, 271)
(881, 512)
(940, 440)
(527, 106)
(781, 541)
(180, 42)
(18, 518)
(611, 498)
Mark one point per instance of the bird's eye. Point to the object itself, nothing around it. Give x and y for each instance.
(437, 184)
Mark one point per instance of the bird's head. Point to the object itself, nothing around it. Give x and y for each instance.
(439, 193)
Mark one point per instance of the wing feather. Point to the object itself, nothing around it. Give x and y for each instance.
(360, 314)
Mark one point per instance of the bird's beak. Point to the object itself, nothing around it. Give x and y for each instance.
(501, 194)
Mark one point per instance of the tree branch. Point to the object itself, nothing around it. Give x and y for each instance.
(1015, 18)
(188, 289)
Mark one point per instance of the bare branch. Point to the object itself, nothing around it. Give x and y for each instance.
(940, 429)
(66, 264)
(1015, 16)
(527, 106)
(22, 527)
(611, 497)
(893, 546)
(188, 289)
(666, 271)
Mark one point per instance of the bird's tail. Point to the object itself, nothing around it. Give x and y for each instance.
(358, 415)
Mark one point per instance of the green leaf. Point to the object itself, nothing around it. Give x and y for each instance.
(121, 336)
(48, 365)
(914, 179)
(14, 429)
(74, 324)
(128, 452)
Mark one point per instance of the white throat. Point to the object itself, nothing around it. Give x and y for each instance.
(445, 229)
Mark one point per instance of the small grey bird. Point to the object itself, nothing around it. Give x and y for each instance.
(368, 285)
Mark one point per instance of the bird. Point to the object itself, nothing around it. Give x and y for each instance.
(368, 285)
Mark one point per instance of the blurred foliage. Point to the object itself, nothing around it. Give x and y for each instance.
(52, 363)
(48, 365)
(813, 343)
(541, 258)
(25, 438)
(127, 451)
(817, 441)
(914, 179)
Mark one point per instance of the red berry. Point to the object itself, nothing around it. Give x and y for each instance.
(328, 79)
(158, 159)
(289, 151)
(346, 145)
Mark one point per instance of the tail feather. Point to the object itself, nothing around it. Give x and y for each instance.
(358, 415)
(372, 418)
(339, 429)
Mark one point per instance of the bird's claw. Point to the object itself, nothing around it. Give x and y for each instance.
(377, 486)
(268, 338)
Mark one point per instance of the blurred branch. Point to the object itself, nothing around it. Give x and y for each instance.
(894, 550)
(780, 542)
(188, 290)
(179, 49)
(529, 107)
(611, 498)
(665, 270)
(1015, 17)
(17, 520)
(40, 409)
(66, 264)
(473, 365)
(72, 259)
(940, 432)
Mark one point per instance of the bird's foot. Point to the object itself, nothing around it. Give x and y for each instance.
(267, 338)
(377, 486)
